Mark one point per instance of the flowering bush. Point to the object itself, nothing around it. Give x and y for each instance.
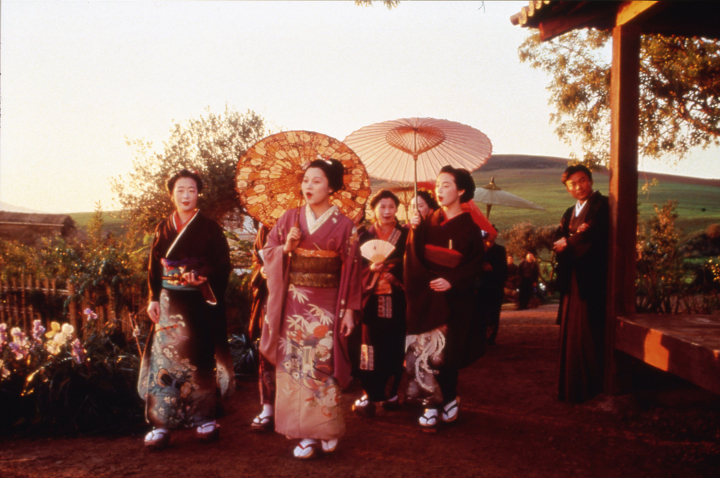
(57, 384)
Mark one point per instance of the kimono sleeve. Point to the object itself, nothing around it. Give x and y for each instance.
(154, 265)
(598, 227)
(352, 270)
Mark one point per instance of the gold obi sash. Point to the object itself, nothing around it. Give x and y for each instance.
(315, 268)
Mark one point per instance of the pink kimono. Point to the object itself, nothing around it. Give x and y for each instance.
(308, 293)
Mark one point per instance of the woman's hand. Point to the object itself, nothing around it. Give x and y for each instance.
(377, 266)
(153, 311)
(348, 323)
(191, 279)
(415, 221)
(293, 239)
(262, 272)
(440, 285)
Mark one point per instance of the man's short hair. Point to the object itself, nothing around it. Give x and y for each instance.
(576, 168)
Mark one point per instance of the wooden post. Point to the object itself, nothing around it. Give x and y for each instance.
(111, 303)
(72, 309)
(3, 301)
(624, 105)
(24, 325)
(16, 303)
(30, 308)
(48, 300)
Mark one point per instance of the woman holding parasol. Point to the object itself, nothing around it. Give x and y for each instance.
(383, 326)
(186, 358)
(442, 262)
(312, 264)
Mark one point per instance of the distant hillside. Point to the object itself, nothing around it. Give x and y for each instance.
(113, 221)
(523, 161)
(12, 208)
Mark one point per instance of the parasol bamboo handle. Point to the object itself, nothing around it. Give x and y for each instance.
(415, 158)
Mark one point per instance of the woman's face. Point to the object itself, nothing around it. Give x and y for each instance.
(385, 212)
(422, 206)
(315, 186)
(185, 195)
(446, 191)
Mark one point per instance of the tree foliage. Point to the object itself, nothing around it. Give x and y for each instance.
(679, 92)
(211, 145)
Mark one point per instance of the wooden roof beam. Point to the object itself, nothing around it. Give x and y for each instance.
(634, 11)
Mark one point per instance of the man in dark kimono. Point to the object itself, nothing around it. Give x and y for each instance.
(581, 280)
(491, 293)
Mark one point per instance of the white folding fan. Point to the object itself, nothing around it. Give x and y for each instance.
(376, 250)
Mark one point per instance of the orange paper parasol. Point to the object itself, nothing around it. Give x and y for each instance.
(269, 175)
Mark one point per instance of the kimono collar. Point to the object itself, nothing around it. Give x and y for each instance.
(180, 230)
(178, 225)
(315, 224)
(379, 232)
(580, 205)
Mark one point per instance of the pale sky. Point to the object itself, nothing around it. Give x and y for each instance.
(79, 77)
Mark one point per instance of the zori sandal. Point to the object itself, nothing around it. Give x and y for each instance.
(305, 449)
(263, 422)
(429, 420)
(364, 407)
(329, 446)
(450, 411)
(157, 439)
(208, 432)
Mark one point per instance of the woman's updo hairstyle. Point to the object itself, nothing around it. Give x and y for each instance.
(384, 194)
(185, 173)
(429, 199)
(334, 172)
(463, 181)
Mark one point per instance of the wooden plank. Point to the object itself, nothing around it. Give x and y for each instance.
(686, 346)
(624, 127)
(634, 11)
(72, 310)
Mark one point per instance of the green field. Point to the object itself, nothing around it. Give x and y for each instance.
(113, 221)
(543, 187)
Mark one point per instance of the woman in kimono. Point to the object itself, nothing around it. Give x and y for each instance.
(443, 259)
(188, 273)
(266, 371)
(312, 264)
(382, 350)
(424, 202)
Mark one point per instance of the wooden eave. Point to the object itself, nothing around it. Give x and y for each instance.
(688, 19)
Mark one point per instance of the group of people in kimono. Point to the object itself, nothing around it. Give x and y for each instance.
(324, 313)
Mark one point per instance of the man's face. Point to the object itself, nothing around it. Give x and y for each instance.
(579, 186)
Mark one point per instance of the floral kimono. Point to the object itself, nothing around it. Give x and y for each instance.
(308, 293)
(186, 357)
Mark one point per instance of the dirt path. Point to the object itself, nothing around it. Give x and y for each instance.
(510, 425)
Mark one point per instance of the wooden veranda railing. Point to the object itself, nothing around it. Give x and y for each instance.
(24, 299)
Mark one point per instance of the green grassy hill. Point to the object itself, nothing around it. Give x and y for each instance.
(113, 221)
(537, 179)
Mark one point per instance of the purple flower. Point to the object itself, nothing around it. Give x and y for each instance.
(78, 352)
(19, 337)
(90, 314)
(37, 331)
(3, 335)
(19, 351)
